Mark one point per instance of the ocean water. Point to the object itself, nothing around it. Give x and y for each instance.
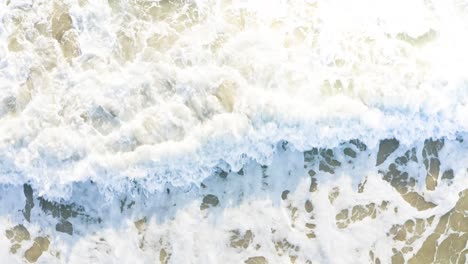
(233, 131)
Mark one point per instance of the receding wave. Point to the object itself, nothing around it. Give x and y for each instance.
(231, 108)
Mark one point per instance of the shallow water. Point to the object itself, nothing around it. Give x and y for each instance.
(233, 131)
(302, 208)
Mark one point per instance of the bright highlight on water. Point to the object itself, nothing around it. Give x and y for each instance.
(233, 131)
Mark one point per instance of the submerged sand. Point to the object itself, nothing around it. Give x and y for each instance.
(349, 204)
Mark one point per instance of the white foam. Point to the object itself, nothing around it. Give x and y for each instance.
(167, 100)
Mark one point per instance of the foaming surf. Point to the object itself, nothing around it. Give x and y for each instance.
(277, 132)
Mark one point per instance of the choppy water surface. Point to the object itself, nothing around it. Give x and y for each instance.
(225, 131)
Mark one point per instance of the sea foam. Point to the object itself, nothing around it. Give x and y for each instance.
(165, 92)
